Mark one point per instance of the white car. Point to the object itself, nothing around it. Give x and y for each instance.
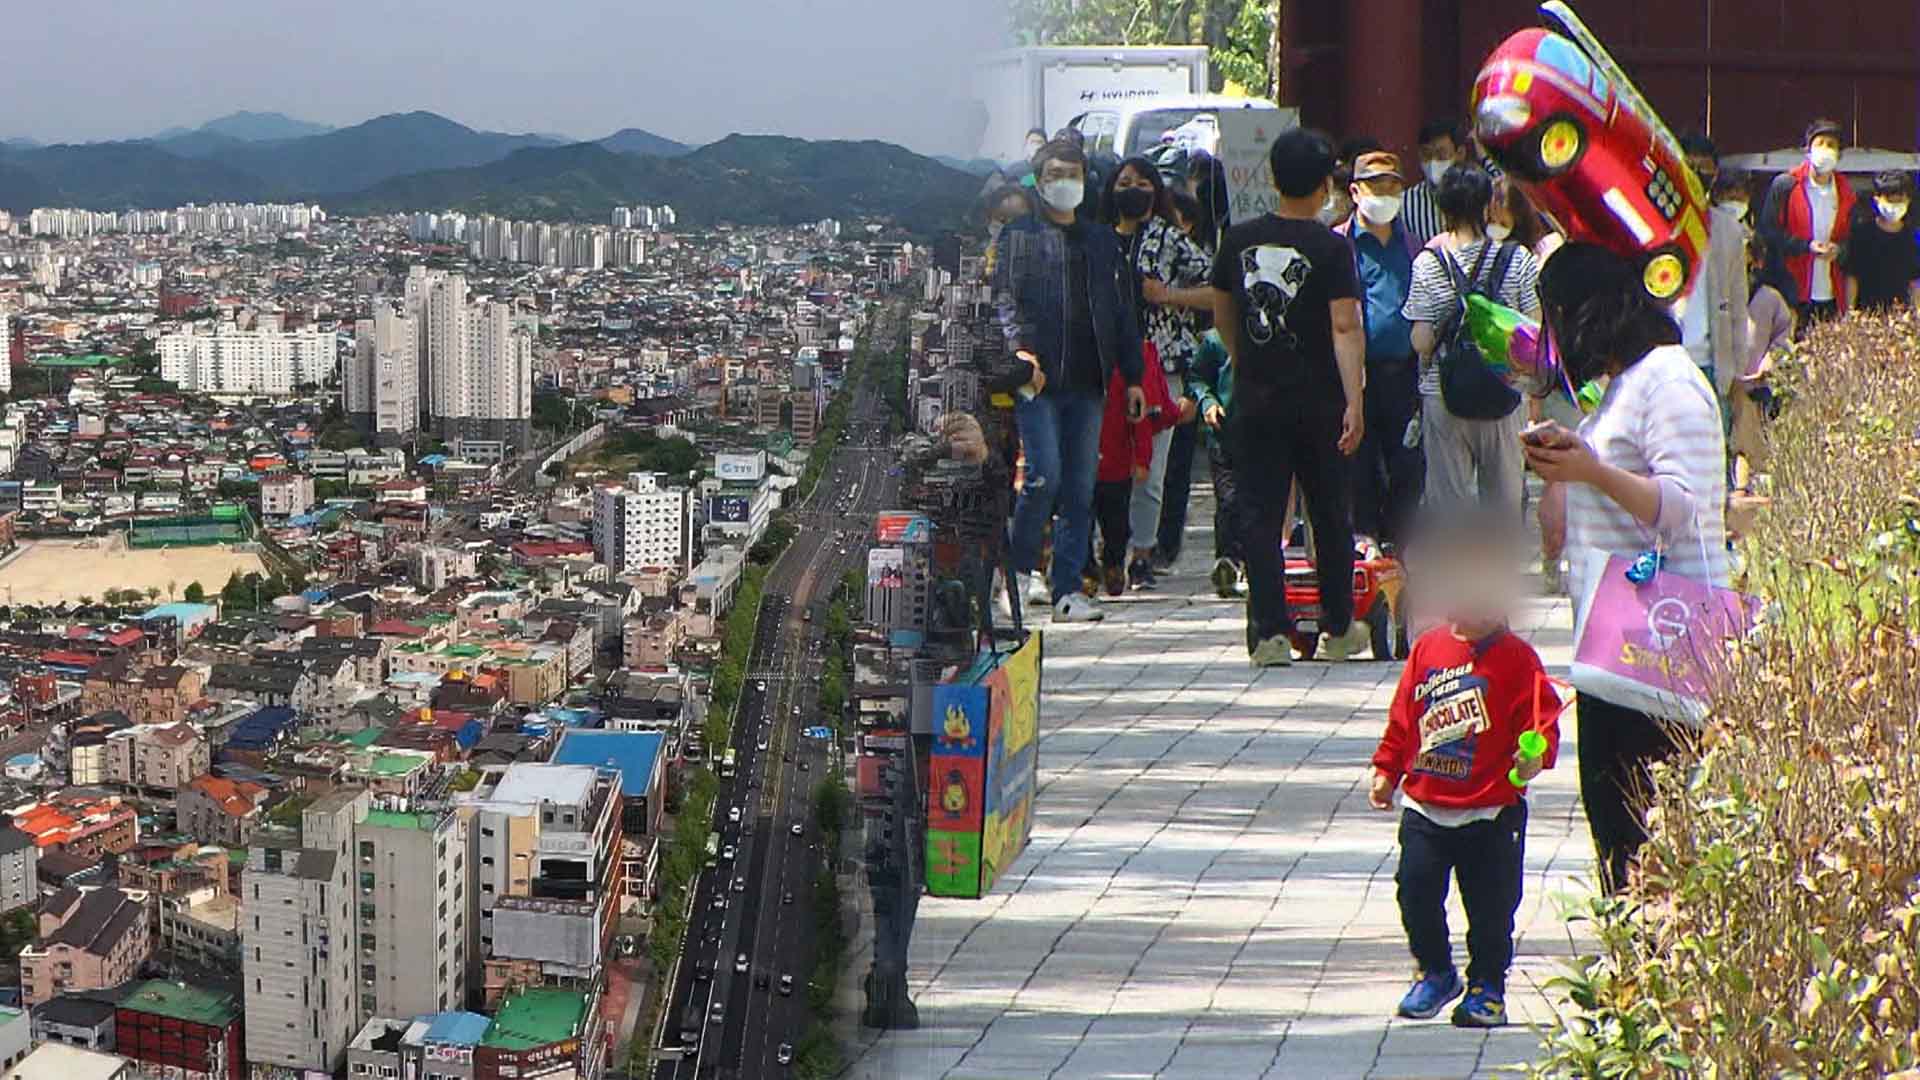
(761, 685)
(718, 1015)
(786, 984)
(761, 745)
(727, 852)
(739, 884)
(784, 1055)
(797, 829)
(796, 710)
(740, 964)
(733, 814)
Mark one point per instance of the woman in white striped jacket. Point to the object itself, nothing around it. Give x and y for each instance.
(1645, 472)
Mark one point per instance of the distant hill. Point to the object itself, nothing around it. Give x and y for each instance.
(19, 143)
(975, 166)
(644, 143)
(415, 161)
(743, 179)
(262, 127)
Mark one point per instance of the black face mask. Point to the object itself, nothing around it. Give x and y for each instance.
(1133, 202)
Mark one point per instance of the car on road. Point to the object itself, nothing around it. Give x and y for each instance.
(786, 984)
(784, 1055)
(739, 884)
(761, 685)
(728, 852)
(797, 829)
(733, 814)
(786, 897)
(740, 964)
(718, 1015)
(796, 710)
(720, 900)
(702, 970)
(788, 756)
(803, 765)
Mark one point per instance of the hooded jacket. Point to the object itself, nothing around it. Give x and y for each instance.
(1786, 219)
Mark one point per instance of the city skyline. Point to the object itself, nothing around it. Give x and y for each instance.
(807, 73)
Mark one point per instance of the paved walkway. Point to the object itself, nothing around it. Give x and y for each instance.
(1207, 894)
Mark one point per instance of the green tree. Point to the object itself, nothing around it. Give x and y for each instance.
(1237, 33)
(551, 410)
(196, 593)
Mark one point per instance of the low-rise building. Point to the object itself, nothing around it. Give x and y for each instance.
(58, 1061)
(19, 870)
(286, 494)
(78, 1020)
(201, 927)
(90, 939)
(156, 758)
(177, 1030)
(216, 810)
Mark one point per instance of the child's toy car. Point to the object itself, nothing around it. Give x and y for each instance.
(1563, 119)
(1378, 583)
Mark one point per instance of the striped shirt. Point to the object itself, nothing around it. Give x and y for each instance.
(1420, 214)
(1659, 418)
(1431, 298)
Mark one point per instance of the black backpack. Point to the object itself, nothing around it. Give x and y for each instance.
(1469, 390)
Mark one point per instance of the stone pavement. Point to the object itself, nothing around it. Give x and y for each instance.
(1207, 894)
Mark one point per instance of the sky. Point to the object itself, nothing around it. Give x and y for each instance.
(692, 70)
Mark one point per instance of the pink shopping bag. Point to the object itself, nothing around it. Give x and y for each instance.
(1656, 647)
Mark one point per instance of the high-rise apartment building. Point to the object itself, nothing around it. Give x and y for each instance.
(474, 361)
(6, 343)
(643, 524)
(382, 384)
(298, 956)
(412, 900)
(231, 361)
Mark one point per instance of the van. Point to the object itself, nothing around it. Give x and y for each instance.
(1238, 131)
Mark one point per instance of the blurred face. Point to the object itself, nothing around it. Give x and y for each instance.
(1498, 212)
(1474, 586)
(1705, 168)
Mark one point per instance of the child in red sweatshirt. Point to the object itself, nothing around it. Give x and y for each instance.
(1126, 453)
(1469, 690)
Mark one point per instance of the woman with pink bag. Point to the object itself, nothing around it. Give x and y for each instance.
(1646, 476)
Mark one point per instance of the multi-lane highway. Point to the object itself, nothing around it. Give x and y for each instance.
(753, 919)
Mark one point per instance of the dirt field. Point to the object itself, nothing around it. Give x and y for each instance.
(49, 571)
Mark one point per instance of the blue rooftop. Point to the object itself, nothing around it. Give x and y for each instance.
(632, 752)
(456, 1028)
(257, 732)
(183, 611)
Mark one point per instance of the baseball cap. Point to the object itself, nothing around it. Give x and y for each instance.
(1375, 164)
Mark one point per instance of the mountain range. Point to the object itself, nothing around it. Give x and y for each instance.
(423, 161)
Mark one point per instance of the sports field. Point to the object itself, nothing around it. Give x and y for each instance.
(50, 571)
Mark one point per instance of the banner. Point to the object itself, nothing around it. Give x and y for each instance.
(886, 568)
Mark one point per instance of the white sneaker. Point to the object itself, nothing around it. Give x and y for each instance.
(1039, 593)
(1357, 639)
(1273, 652)
(1077, 607)
(1002, 603)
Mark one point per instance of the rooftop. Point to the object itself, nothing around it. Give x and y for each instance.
(537, 1017)
(532, 782)
(58, 1061)
(632, 752)
(399, 819)
(182, 1002)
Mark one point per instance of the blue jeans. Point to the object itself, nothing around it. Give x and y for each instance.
(1060, 435)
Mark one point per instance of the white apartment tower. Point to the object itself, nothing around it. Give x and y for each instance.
(411, 878)
(643, 524)
(382, 384)
(230, 361)
(474, 361)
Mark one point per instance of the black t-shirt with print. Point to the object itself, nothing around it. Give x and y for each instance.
(1284, 273)
(1885, 262)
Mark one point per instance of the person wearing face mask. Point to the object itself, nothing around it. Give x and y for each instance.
(1807, 218)
(1170, 271)
(1732, 192)
(1390, 469)
(1065, 302)
(1882, 262)
(1440, 149)
(1713, 315)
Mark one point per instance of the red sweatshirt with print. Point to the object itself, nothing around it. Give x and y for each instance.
(1457, 718)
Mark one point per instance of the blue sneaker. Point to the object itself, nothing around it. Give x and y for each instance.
(1483, 1008)
(1429, 994)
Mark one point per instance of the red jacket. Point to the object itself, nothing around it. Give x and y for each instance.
(1456, 720)
(1124, 444)
(1792, 223)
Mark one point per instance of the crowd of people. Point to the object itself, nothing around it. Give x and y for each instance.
(1314, 352)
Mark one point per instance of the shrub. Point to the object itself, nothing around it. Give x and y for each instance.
(1775, 928)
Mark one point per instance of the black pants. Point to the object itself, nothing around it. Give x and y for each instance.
(1111, 499)
(1815, 311)
(1489, 860)
(1270, 453)
(1177, 490)
(1388, 475)
(1618, 747)
(1226, 502)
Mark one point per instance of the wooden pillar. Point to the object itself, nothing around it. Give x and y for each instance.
(1384, 51)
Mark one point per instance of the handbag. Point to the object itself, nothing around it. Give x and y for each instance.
(1469, 388)
(1656, 646)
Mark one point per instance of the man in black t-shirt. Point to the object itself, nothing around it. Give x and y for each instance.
(1881, 259)
(1286, 300)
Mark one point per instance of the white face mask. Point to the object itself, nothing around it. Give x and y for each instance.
(1497, 231)
(1823, 158)
(1063, 195)
(1033, 147)
(1890, 211)
(1735, 207)
(1379, 209)
(1435, 168)
(1329, 212)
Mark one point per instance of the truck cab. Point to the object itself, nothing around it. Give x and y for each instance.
(1236, 130)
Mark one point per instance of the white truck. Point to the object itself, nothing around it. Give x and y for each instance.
(1238, 131)
(1046, 86)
